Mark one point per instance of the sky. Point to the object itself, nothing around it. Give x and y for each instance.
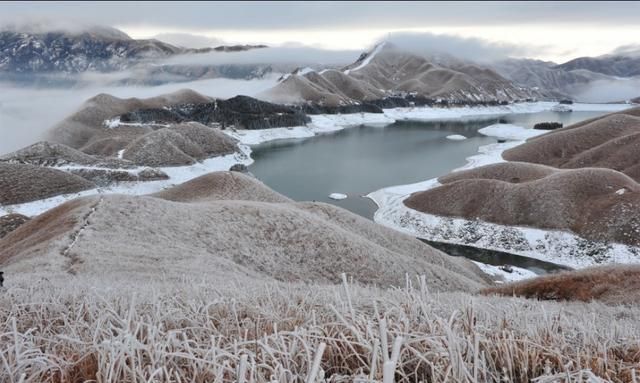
(556, 31)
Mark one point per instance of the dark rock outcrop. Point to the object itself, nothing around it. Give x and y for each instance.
(242, 112)
(548, 125)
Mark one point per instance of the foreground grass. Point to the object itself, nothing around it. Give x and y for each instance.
(69, 331)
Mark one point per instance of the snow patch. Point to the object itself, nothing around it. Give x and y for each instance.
(337, 196)
(456, 137)
(367, 60)
(499, 272)
(510, 132)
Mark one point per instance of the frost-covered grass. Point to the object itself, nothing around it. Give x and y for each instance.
(69, 331)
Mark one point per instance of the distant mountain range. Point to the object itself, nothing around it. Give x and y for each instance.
(386, 72)
(621, 64)
(571, 78)
(57, 58)
(26, 56)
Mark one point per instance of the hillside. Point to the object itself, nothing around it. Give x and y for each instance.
(581, 179)
(207, 235)
(615, 64)
(386, 71)
(618, 284)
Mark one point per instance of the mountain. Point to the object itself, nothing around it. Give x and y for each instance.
(546, 77)
(623, 64)
(66, 52)
(386, 71)
(33, 57)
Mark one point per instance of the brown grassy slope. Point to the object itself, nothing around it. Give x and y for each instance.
(221, 186)
(618, 284)
(46, 233)
(10, 222)
(21, 183)
(585, 201)
(612, 141)
(143, 237)
(181, 144)
(512, 172)
(49, 153)
(80, 128)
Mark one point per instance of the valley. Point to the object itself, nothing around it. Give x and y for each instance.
(216, 192)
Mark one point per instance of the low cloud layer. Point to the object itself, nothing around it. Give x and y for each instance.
(188, 40)
(474, 49)
(614, 90)
(291, 55)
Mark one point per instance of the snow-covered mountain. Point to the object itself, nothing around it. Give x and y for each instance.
(386, 71)
(96, 49)
(621, 63)
(546, 77)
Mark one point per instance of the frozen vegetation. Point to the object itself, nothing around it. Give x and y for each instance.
(198, 331)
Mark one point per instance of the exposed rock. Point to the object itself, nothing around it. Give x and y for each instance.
(241, 111)
(548, 125)
(10, 222)
(21, 183)
(241, 168)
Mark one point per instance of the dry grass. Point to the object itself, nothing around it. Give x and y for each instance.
(70, 331)
(612, 284)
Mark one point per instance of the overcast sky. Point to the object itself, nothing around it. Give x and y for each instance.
(547, 30)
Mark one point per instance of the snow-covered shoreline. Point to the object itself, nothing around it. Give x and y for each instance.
(320, 124)
(560, 247)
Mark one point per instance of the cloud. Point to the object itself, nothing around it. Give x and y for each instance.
(474, 49)
(290, 55)
(614, 90)
(312, 15)
(27, 113)
(631, 50)
(188, 40)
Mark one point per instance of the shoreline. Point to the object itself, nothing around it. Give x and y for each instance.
(552, 246)
(320, 124)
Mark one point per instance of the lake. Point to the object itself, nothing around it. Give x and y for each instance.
(358, 160)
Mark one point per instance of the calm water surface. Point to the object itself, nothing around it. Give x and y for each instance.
(359, 160)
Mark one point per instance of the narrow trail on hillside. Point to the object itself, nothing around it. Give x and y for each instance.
(74, 259)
